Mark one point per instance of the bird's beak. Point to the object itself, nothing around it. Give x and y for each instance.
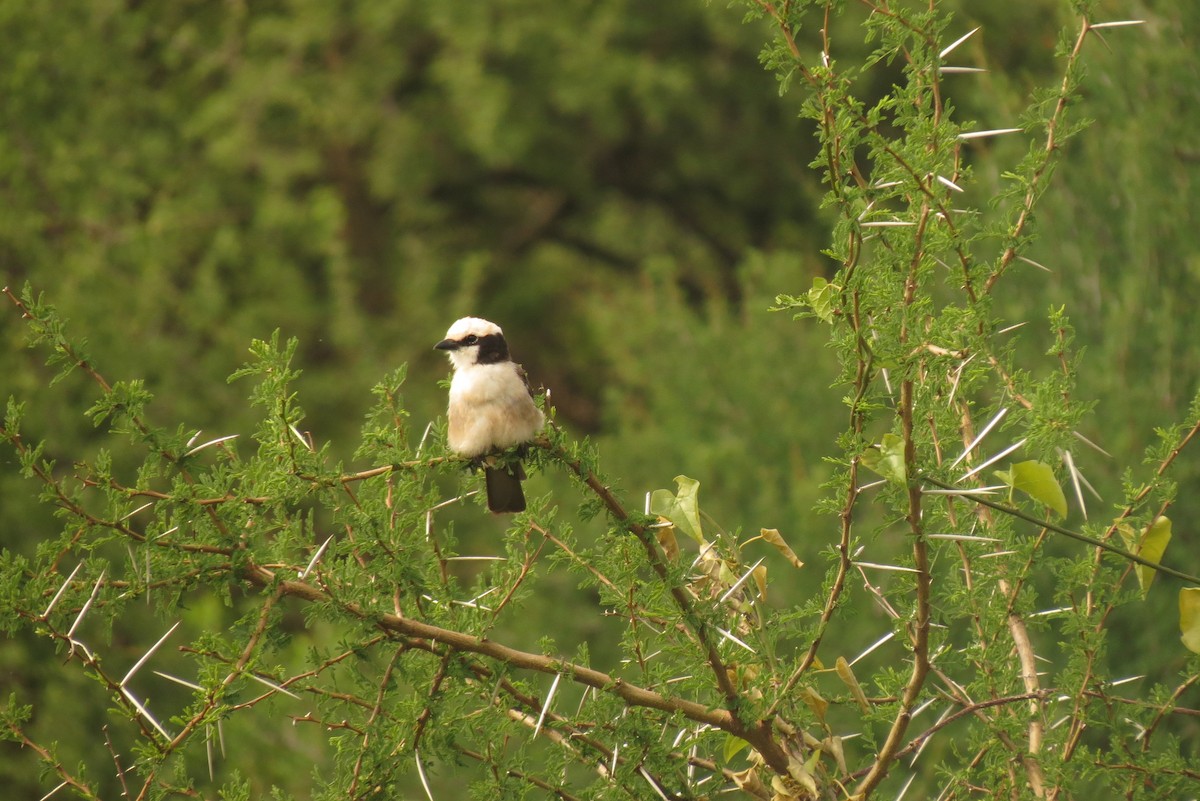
(447, 344)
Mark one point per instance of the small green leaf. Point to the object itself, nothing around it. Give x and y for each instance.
(887, 459)
(821, 298)
(733, 746)
(1151, 547)
(1189, 617)
(1036, 480)
(682, 508)
(1129, 535)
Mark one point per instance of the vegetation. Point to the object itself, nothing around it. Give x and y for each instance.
(920, 537)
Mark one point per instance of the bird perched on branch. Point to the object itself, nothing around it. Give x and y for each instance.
(491, 406)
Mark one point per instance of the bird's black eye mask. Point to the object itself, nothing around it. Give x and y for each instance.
(492, 348)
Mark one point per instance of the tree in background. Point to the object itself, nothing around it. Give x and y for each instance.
(416, 647)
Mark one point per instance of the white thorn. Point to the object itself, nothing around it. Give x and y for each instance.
(52, 792)
(210, 443)
(208, 750)
(177, 680)
(273, 685)
(893, 568)
(968, 491)
(948, 49)
(729, 636)
(873, 646)
(316, 557)
(1118, 24)
(738, 584)
(979, 437)
(904, 789)
(145, 713)
(995, 458)
(1069, 461)
(546, 706)
(303, 441)
(950, 184)
(421, 444)
(135, 511)
(60, 592)
(992, 132)
(421, 774)
(86, 606)
(1033, 263)
(652, 783)
(137, 665)
(1087, 441)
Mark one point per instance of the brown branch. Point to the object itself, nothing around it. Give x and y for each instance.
(48, 758)
(1051, 145)
(862, 382)
(377, 708)
(541, 784)
(919, 629)
(968, 709)
(1167, 706)
(759, 735)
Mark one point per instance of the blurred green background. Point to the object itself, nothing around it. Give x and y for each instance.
(618, 184)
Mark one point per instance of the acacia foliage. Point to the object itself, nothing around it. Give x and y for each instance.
(406, 662)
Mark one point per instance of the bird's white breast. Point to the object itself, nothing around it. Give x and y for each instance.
(490, 407)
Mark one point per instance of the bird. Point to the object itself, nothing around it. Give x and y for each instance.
(491, 406)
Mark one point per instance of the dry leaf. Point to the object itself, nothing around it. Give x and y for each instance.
(773, 536)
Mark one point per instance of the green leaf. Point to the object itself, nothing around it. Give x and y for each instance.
(1189, 618)
(733, 746)
(682, 508)
(1127, 533)
(887, 459)
(1036, 480)
(821, 298)
(1151, 547)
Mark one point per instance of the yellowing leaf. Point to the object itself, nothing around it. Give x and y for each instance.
(1036, 480)
(666, 540)
(798, 783)
(682, 508)
(833, 745)
(1189, 618)
(815, 702)
(846, 674)
(760, 579)
(887, 459)
(773, 536)
(1151, 547)
(748, 780)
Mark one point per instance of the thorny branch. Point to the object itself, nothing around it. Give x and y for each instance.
(476, 655)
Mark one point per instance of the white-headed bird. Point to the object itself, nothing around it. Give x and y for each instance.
(491, 406)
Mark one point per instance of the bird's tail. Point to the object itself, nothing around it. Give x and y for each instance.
(504, 493)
